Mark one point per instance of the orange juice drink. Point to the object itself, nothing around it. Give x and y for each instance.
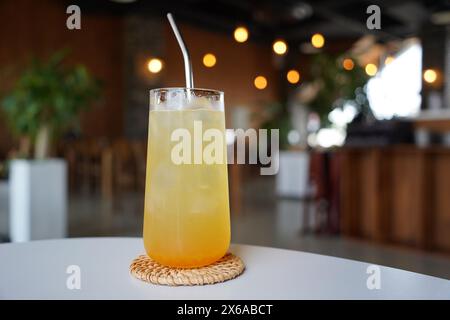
(186, 215)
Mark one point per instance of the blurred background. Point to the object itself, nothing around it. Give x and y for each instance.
(362, 101)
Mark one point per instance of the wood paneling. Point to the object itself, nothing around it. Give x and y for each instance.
(237, 66)
(397, 194)
(440, 216)
(362, 187)
(369, 193)
(38, 28)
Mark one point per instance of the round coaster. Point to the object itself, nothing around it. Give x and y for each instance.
(146, 269)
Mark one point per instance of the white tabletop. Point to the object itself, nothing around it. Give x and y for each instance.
(38, 270)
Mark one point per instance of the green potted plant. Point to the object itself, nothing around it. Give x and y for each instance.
(46, 99)
(336, 86)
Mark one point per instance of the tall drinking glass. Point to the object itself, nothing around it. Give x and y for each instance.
(186, 214)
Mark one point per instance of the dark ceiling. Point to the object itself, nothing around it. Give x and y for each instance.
(293, 20)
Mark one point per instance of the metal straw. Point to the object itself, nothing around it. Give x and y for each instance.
(184, 50)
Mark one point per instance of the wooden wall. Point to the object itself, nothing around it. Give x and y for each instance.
(38, 28)
(237, 66)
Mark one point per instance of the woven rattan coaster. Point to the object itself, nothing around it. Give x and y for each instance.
(146, 269)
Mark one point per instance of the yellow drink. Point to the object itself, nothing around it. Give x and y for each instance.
(186, 215)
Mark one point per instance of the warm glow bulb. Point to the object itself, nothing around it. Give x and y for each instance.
(241, 34)
(293, 76)
(371, 69)
(154, 65)
(280, 47)
(260, 82)
(209, 60)
(348, 64)
(388, 60)
(430, 76)
(317, 40)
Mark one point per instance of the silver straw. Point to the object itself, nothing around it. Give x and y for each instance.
(184, 50)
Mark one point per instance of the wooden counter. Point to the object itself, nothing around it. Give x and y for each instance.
(398, 194)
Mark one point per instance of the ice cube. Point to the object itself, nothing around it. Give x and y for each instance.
(199, 103)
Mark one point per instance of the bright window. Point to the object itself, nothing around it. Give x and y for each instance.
(395, 90)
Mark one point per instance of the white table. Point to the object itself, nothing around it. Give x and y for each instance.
(38, 270)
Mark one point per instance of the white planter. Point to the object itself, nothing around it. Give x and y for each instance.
(292, 179)
(4, 208)
(38, 199)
